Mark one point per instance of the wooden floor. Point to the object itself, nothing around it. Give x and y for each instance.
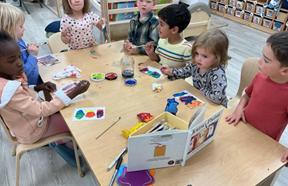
(45, 167)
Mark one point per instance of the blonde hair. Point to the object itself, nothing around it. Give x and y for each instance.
(9, 17)
(68, 10)
(217, 42)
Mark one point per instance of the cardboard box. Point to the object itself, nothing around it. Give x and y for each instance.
(214, 6)
(171, 147)
(249, 7)
(256, 20)
(230, 11)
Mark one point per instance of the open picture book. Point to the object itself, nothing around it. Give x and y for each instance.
(166, 148)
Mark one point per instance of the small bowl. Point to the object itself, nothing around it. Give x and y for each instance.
(111, 76)
(130, 82)
(98, 76)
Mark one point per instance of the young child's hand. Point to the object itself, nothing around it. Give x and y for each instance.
(165, 69)
(79, 89)
(33, 49)
(236, 116)
(127, 45)
(132, 50)
(149, 48)
(285, 157)
(48, 86)
(100, 23)
(64, 37)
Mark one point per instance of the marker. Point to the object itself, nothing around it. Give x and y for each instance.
(116, 170)
(116, 159)
(156, 126)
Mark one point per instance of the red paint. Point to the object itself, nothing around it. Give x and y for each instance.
(90, 114)
(111, 76)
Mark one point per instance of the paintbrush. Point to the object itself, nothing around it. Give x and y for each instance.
(153, 42)
(38, 46)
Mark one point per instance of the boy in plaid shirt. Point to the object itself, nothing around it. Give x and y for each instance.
(142, 28)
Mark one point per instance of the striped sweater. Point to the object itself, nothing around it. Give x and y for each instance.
(176, 55)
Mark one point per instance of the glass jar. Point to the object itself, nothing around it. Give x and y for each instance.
(127, 64)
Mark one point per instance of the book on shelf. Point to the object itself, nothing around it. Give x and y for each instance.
(122, 16)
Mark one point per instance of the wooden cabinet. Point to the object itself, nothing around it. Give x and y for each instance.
(255, 14)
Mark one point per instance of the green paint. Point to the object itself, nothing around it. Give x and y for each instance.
(79, 114)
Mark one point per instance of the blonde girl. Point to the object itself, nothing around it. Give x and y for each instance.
(77, 24)
(12, 21)
(209, 59)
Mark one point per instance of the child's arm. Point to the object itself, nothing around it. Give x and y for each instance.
(64, 30)
(64, 37)
(150, 52)
(239, 113)
(100, 23)
(178, 73)
(24, 103)
(29, 57)
(48, 86)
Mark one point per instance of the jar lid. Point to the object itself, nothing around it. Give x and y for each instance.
(98, 76)
(130, 82)
(111, 76)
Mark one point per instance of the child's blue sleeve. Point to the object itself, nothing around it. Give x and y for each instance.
(215, 88)
(29, 61)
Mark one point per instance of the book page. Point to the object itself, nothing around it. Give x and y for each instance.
(197, 117)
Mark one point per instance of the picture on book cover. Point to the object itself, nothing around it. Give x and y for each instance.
(199, 138)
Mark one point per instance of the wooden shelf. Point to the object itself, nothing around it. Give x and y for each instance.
(272, 19)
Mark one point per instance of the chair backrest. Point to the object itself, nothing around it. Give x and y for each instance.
(200, 19)
(55, 43)
(11, 138)
(248, 71)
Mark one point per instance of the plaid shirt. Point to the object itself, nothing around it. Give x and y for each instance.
(144, 31)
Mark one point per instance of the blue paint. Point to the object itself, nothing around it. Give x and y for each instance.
(187, 99)
(179, 94)
(130, 82)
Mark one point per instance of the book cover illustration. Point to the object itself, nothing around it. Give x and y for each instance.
(188, 99)
(48, 60)
(202, 134)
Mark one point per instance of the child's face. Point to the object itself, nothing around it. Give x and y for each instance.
(268, 64)
(145, 6)
(10, 61)
(76, 5)
(164, 30)
(20, 30)
(204, 58)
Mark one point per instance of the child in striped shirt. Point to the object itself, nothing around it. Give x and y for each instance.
(172, 49)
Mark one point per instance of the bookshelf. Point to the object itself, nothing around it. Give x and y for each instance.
(252, 13)
(118, 29)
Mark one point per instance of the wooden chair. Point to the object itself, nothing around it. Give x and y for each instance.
(55, 43)
(22, 148)
(248, 71)
(200, 19)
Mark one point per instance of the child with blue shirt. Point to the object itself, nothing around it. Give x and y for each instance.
(12, 20)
